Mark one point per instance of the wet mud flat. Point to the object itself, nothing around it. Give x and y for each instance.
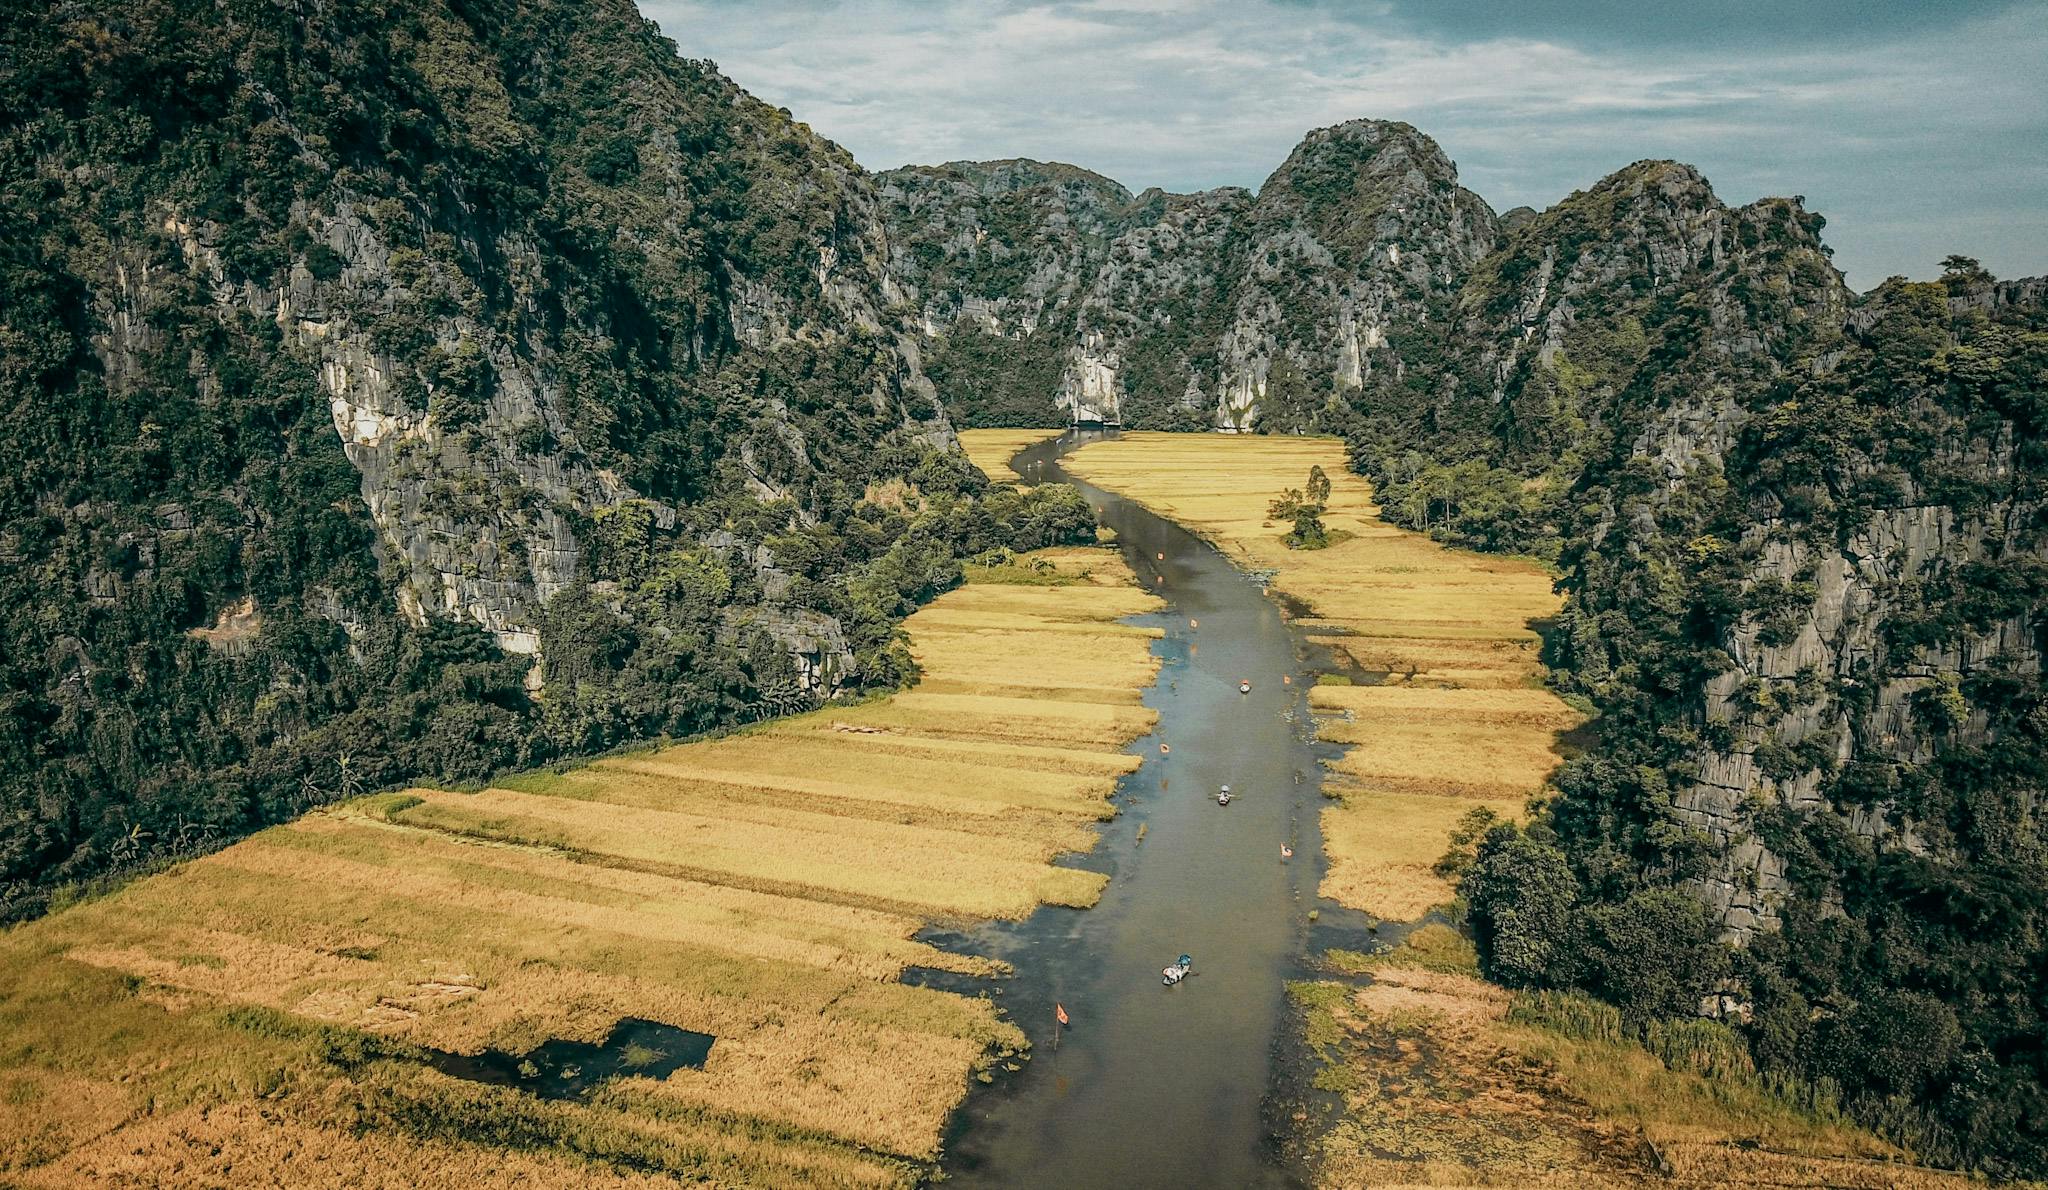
(1154, 1085)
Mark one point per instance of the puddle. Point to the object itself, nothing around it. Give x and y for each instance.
(1295, 607)
(560, 1069)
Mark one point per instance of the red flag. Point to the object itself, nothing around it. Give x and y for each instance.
(1060, 1011)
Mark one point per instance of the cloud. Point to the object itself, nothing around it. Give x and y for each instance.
(1916, 128)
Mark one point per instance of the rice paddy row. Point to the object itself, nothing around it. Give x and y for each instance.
(1447, 712)
(258, 1016)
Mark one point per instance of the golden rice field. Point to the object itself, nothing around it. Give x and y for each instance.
(250, 1018)
(992, 450)
(1461, 719)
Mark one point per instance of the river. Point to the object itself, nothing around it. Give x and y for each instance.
(1155, 1085)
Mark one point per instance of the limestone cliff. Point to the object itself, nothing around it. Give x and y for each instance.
(1177, 309)
(1666, 356)
(1004, 245)
(412, 392)
(461, 406)
(1360, 239)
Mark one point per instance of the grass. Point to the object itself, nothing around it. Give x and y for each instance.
(992, 450)
(1383, 845)
(1431, 947)
(1459, 720)
(247, 1017)
(1449, 1081)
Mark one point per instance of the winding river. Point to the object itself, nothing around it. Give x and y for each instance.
(1153, 1085)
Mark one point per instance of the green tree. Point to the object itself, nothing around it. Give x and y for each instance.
(1652, 955)
(1521, 898)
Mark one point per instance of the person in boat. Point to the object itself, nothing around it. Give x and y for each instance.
(1178, 971)
(1244, 687)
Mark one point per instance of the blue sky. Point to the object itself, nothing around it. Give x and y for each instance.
(1918, 129)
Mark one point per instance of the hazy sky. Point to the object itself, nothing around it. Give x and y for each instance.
(1918, 128)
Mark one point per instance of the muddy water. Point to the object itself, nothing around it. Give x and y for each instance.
(563, 1069)
(1151, 1085)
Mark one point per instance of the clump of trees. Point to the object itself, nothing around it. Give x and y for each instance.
(1303, 508)
(1651, 952)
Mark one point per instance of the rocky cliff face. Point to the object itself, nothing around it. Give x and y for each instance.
(1144, 336)
(1215, 308)
(1003, 245)
(472, 414)
(1359, 240)
(1733, 552)
(1891, 561)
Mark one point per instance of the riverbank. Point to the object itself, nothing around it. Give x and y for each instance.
(272, 1012)
(994, 450)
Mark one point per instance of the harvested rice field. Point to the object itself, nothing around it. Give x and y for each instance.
(281, 1013)
(992, 450)
(1446, 1080)
(1438, 689)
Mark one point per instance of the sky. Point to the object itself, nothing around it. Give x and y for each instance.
(1918, 127)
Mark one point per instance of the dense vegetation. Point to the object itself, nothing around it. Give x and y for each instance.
(987, 381)
(1909, 977)
(565, 254)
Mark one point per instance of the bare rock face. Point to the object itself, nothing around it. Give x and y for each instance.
(477, 529)
(1171, 309)
(1003, 245)
(1849, 667)
(1145, 323)
(473, 469)
(1361, 236)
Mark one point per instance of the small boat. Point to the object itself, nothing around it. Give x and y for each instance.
(1178, 971)
(1244, 687)
(1223, 796)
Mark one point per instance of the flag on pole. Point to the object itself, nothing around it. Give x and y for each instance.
(1060, 1011)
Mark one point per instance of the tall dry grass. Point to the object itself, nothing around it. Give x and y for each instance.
(1449, 1081)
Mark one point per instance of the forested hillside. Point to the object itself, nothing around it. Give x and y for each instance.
(404, 391)
(1812, 612)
